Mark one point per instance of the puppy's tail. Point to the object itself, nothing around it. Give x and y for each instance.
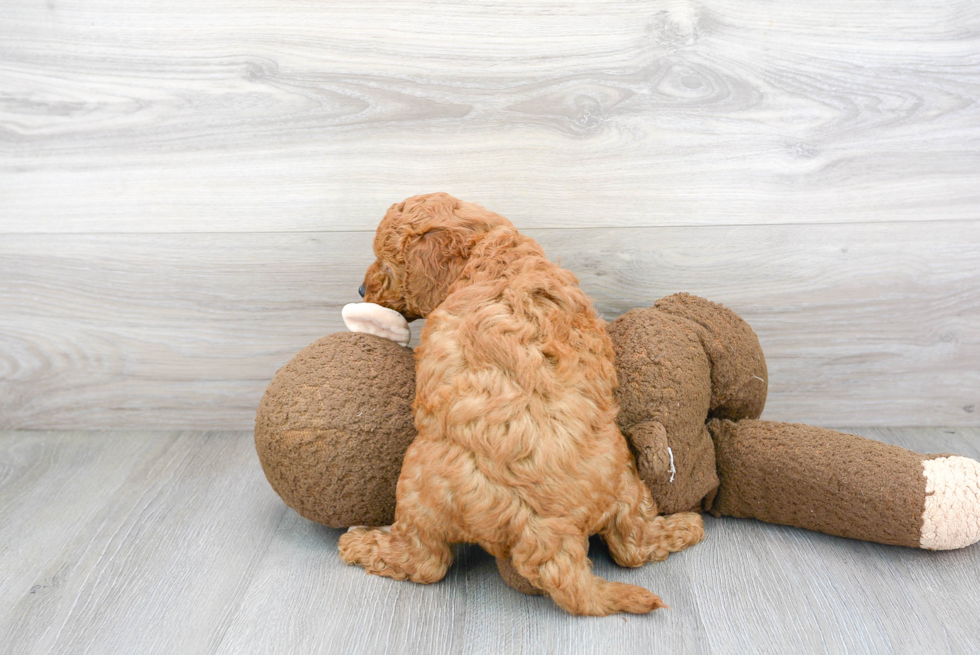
(566, 576)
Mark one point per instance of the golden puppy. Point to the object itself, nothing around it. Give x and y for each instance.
(517, 447)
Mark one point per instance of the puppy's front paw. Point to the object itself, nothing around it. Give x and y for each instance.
(366, 547)
(360, 546)
(349, 544)
(383, 528)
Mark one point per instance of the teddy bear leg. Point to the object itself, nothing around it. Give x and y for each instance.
(739, 377)
(400, 552)
(557, 563)
(845, 485)
(679, 478)
(636, 534)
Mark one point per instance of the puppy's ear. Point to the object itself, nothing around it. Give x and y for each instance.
(439, 244)
(433, 261)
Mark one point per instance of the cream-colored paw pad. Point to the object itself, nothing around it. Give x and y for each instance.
(951, 516)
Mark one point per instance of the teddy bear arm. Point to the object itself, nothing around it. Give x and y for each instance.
(679, 467)
(654, 458)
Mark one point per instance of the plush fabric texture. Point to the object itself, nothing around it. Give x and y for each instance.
(333, 427)
(679, 362)
(951, 517)
(664, 395)
(739, 377)
(819, 479)
(374, 319)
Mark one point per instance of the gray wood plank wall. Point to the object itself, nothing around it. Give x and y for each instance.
(188, 189)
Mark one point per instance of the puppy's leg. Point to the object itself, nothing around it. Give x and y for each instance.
(416, 546)
(636, 534)
(402, 552)
(557, 564)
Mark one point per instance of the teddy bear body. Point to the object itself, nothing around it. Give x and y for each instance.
(333, 427)
(680, 362)
(336, 421)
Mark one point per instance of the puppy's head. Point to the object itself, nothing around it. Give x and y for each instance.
(422, 245)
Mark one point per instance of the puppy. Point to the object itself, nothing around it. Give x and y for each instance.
(517, 447)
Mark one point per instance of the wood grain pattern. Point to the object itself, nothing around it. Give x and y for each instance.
(174, 542)
(149, 565)
(187, 189)
(845, 596)
(864, 326)
(263, 116)
(53, 488)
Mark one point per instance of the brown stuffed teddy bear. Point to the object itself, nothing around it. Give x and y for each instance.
(333, 427)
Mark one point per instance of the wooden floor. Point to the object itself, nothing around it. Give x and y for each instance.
(173, 542)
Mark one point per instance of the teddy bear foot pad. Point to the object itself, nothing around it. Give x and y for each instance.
(951, 515)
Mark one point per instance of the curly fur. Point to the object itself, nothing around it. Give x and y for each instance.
(517, 446)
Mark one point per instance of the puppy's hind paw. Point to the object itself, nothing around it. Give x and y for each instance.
(684, 529)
